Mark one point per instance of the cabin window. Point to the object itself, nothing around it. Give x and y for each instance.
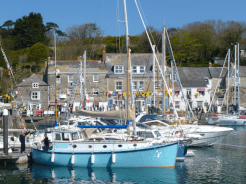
(157, 134)
(135, 145)
(145, 134)
(75, 136)
(58, 137)
(104, 146)
(65, 136)
(90, 146)
(119, 145)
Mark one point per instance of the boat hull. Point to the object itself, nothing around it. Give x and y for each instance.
(182, 150)
(153, 156)
(227, 121)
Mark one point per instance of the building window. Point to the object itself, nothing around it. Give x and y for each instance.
(70, 78)
(199, 103)
(58, 91)
(35, 95)
(118, 69)
(134, 85)
(156, 85)
(95, 91)
(118, 86)
(69, 91)
(138, 69)
(177, 104)
(58, 79)
(201, 93)
(35, 85)
(141, 86)
(141, 69)
(95, 78)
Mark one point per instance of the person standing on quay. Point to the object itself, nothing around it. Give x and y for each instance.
(22, 140)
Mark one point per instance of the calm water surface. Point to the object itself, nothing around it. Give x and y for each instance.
(223, 163)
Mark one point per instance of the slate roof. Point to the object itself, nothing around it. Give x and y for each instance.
(32, 79)
(146, 59)
(72, 65)
(216, 71)
(194, 76)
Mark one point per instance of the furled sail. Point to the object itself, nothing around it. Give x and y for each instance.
(118, 114)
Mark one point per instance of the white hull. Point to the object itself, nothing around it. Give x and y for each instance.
(226, 120)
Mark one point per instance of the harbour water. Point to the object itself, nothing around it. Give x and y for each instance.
(223, 163)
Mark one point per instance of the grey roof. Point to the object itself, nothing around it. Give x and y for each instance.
(146, 59)
(32, 79)
(193, 76)
(72, 65)
(216, 71)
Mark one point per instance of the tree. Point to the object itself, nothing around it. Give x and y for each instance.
(37, 53)
(29, 30)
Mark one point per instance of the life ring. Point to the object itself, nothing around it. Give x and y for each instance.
(179, 133)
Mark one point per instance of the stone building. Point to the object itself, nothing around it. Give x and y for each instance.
(33, 92)
(147, 91)
(69, 78)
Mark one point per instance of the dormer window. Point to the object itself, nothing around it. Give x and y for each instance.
(138, 69)
(118, 69)
(35, 85)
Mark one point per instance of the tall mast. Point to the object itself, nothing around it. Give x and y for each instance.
(55, 79)
(228, 80)
(153, 46)
(84, 77)
(164, 65)
(127, 50)
(238, 79)
(235, 63)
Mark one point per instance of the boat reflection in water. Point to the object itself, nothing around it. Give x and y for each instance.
(139, 175)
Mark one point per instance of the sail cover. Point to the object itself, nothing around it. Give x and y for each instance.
(118, 114)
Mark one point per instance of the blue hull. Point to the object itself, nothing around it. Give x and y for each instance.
(182, 150)
(153, 156)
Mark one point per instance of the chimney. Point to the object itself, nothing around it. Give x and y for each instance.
(210, 64)
(103, 59)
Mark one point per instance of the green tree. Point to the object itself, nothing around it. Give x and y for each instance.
(37, 53)
(29, 30)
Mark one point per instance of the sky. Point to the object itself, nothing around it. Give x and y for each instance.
(105, 13)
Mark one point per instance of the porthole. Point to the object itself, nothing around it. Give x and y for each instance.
(90, 146)
(119, 145)
(104, 146)
(202, 134)
(135, 145)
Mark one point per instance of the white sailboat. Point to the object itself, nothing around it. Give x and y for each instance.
(231, 119)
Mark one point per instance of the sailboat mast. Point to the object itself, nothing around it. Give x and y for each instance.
(153, 46)
(55, 79)
(228, 80)
(238, 79)
(127, 50)
(235, 63)
(164, 65)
